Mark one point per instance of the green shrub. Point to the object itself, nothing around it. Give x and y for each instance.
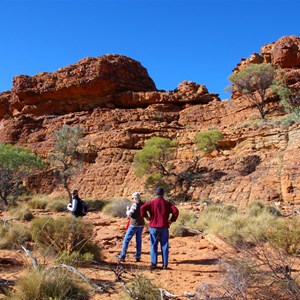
(58, 205)
(75, 258)
(21, 213)
(117, 208)
(16, 164)
(12, 236)
(258, 225)
(208, 141)
(232, 230)
(185, 220)
(38, 202)
(286, 236)
(256, 208)
(49, 285)
(96, 205)
(238, 228)
(64, 234)
(214, 215)
(290, 119)
(222, 210)
(143, 288)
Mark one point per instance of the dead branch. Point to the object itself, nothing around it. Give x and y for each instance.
(96, 287)
(129, 292)
(118, 270)
(32, 258)
(164, 294)
(69, 268)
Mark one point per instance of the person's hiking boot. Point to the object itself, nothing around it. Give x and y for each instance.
(137, 259)
(165, 267)
(153, 267)
(119, 258)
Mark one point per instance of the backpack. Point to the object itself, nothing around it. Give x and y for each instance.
(85, 208)
(81, 209)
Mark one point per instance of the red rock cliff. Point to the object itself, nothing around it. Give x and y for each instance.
(116, 103)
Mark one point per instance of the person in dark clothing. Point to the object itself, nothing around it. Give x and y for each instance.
(135, 228)
(76, 206)
(160, 213)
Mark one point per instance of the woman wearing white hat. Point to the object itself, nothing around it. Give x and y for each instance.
(135, 228)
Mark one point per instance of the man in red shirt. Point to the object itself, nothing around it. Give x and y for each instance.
(160, 213)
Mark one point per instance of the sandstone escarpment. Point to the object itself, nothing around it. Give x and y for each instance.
(83, 86)
(116, 103)
(284, 54)
(108, 81)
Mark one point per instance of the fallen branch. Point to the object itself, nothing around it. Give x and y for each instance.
(129, 292)
(69, 268)
(164, 294)
(32, 258)
(79, 274)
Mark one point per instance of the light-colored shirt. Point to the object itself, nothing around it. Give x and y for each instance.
(72, 207)
(131, 210)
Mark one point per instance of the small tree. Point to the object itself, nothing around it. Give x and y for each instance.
(253, 82)
(289, 98)
(208, 141)
(16, 164)
(66, 157)
(155, 161)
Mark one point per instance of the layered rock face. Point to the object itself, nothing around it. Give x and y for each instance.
(284, 53)
(108, 81)
(116, 103)
(88, 84)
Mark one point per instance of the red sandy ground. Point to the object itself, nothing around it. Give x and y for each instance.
(193, 260)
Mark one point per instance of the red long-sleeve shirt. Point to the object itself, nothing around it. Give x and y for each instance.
(158, 212)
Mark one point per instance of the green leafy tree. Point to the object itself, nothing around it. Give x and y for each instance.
(208, 141)
(289, 98)
(66, 156)
(155, 161)
(16, 164)
(253, 82)
(156, 154)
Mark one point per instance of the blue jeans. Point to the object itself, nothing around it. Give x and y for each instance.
(159, 235)
(131, 231)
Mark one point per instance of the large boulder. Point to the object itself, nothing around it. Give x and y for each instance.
(286, 52)
(85, 85)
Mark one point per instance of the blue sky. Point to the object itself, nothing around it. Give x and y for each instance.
(174, 40)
